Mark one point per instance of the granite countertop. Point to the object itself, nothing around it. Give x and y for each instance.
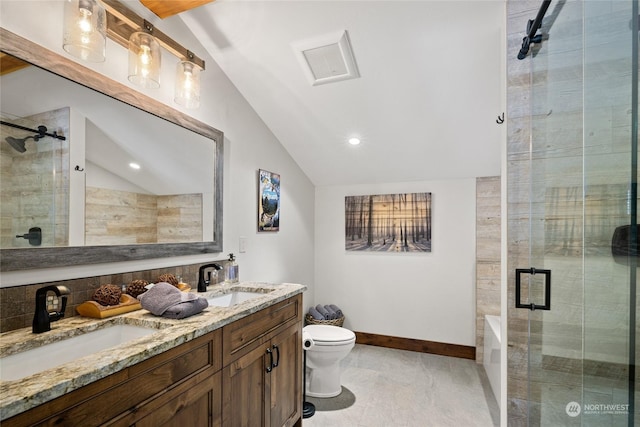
(23, 394)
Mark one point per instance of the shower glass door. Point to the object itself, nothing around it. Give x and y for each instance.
(582, 191)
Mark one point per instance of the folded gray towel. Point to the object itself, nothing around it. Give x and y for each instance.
(186, 309)
(314, 313)
(332, 314)
(323, 311)
(336, 309)
(163, 295)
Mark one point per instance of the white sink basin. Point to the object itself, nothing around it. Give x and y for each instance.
(233, 298)
(29, 362)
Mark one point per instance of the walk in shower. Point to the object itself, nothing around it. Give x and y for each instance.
(34, 181)
(572, 214)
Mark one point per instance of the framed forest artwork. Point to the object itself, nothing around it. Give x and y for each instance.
(388, 222)
(268, 201)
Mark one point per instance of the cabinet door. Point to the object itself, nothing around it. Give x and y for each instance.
(285, 380)
(243, 383)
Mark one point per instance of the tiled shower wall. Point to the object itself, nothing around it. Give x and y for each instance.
(488, 235)
(116, 217)
(17, 304)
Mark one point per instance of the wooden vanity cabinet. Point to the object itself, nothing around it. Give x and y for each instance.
(219, 379)
(262, 376)
(180, 384)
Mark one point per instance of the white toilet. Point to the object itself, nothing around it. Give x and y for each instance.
(331, 345)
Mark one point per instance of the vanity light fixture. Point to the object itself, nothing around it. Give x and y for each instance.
(87, 23)
(85, 29)
(143, 40)
(144, 58)
(187, 87)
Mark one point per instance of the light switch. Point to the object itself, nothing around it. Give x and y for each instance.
(242, 245)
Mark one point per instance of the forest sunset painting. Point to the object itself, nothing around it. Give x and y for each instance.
(388, 222)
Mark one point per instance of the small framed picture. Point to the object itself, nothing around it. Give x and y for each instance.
(268, 201)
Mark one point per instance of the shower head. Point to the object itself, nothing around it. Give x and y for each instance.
(18, 143)
(41, 132)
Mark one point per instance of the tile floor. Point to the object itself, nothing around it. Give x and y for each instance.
(397, 388)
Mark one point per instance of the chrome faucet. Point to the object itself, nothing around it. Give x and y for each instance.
(202, 282)
(42, 318)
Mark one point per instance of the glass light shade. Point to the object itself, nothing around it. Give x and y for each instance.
(187, 90)
(85, 29)
(144, 60)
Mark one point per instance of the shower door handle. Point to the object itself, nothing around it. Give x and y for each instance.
(547, 288)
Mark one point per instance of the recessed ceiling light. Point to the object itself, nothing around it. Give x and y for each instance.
(354, 141)
(134, 165)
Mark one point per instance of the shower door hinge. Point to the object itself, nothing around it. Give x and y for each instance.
(547, 288)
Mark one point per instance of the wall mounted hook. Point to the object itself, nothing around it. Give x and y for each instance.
(500, 119)
(78, 168)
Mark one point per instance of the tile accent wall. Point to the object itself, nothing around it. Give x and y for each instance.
(115, 217)
(488, 236)
(17, 304)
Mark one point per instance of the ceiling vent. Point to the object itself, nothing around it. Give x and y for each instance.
(327, 58)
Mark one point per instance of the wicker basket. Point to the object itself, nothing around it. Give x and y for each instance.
(310, 320)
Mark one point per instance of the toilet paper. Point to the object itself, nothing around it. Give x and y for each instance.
(307, 341)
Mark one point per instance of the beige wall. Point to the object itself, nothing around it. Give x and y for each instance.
(428, 295)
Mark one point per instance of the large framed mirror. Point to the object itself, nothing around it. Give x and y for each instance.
(106, 126)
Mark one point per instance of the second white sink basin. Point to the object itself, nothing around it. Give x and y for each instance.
(48, 356)
(233, 298)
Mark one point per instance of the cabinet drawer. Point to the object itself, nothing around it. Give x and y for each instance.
(121, 392)
(241, 336)
(195, 402)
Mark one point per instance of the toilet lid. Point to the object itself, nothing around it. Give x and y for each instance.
(328, 333)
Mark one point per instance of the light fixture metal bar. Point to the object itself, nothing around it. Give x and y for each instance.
(122, 22)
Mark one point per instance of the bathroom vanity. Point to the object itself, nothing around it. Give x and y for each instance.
(237, 365)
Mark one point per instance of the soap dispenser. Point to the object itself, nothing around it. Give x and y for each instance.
(231, 270)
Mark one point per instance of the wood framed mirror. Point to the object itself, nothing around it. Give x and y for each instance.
(46, 257)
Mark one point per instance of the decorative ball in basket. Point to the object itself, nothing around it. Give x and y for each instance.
(107, 295)
(329, 314)
(137, 287)
(169, 278)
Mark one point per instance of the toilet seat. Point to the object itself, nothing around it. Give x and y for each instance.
(330, 335)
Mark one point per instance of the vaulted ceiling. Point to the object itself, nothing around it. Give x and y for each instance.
(425, 102)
